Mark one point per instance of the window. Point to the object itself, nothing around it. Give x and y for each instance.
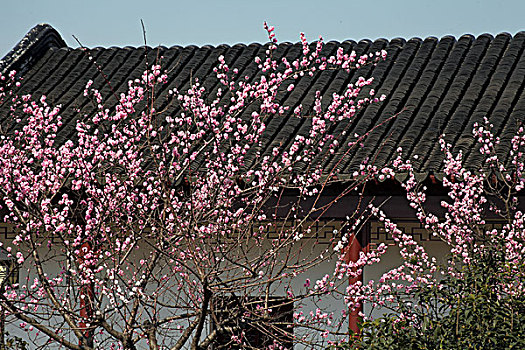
(8, 268)
(250, 322)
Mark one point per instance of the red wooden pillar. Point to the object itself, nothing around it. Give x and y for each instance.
(352, 254)
(87, 293)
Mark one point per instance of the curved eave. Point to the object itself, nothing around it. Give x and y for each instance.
(31, 48)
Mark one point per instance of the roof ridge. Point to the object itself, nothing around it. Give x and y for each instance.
(31, 48)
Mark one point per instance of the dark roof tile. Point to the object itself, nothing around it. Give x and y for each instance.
(433, 87)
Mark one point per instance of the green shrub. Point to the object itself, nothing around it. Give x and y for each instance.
(469, 309)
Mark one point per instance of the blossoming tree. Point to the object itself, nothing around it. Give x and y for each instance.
(150, 229)
(476, 297)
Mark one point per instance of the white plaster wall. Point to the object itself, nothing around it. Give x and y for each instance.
(391, 259)
(312, 248)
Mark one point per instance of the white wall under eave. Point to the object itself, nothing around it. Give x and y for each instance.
(310, 247)
(392, 259)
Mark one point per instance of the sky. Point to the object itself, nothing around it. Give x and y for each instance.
(200, 22)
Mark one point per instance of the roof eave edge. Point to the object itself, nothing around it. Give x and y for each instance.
(31, 48)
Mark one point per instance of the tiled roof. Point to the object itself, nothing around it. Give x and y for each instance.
(31, 48)
(435, 86)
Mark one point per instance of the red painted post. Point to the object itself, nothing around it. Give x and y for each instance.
(87, 293)
(352, 254)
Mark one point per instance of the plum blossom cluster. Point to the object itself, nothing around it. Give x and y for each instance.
(481, 214)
